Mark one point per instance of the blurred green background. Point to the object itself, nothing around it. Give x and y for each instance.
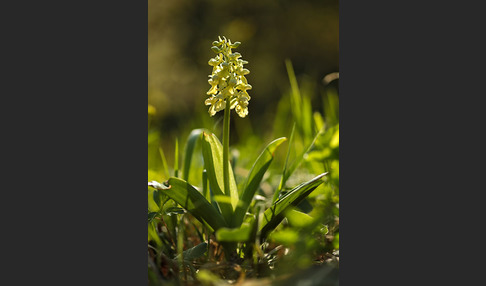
(180, 33)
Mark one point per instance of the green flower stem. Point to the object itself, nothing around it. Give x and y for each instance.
(226, 131)
(229, 247)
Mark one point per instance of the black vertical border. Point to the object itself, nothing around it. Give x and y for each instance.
(411, 146)
(74, 143)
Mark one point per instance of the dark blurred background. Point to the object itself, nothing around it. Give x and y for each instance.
(180, 33)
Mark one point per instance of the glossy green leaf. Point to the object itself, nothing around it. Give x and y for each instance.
(213, 162)
(298, 219)
(194, 252)
(254, 179)
(192, 200)
(274, 215)
(189, 150)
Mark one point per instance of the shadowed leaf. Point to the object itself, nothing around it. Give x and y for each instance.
(254, 179)
(194, 252)
(274, 215)
(192, 200)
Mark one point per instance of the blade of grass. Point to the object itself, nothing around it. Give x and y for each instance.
(275, 214)
(296, 163)
(176, 159)
(189, 150)
(165, 167)
(283, 179)
(254, 179)
(295, 98)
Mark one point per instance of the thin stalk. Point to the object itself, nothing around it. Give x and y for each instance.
(226, 131)
(229, 247)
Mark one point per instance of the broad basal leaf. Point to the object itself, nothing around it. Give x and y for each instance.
(192, 200)
(213, 162)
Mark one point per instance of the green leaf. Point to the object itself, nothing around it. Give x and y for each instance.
(194, 252)
(153, 236)
(152, 205)
(192, 200)
(298, 219)
(205, 192)
(213, 162)
(189, 150)
(318, 121)
(254, 179)
(174, 211)
(156, 198)
(308, 155)
(151, 216)
(275, 214)
(287, 237)
(165, 167)
(241, 234)
(285, 175)
(295, 97)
